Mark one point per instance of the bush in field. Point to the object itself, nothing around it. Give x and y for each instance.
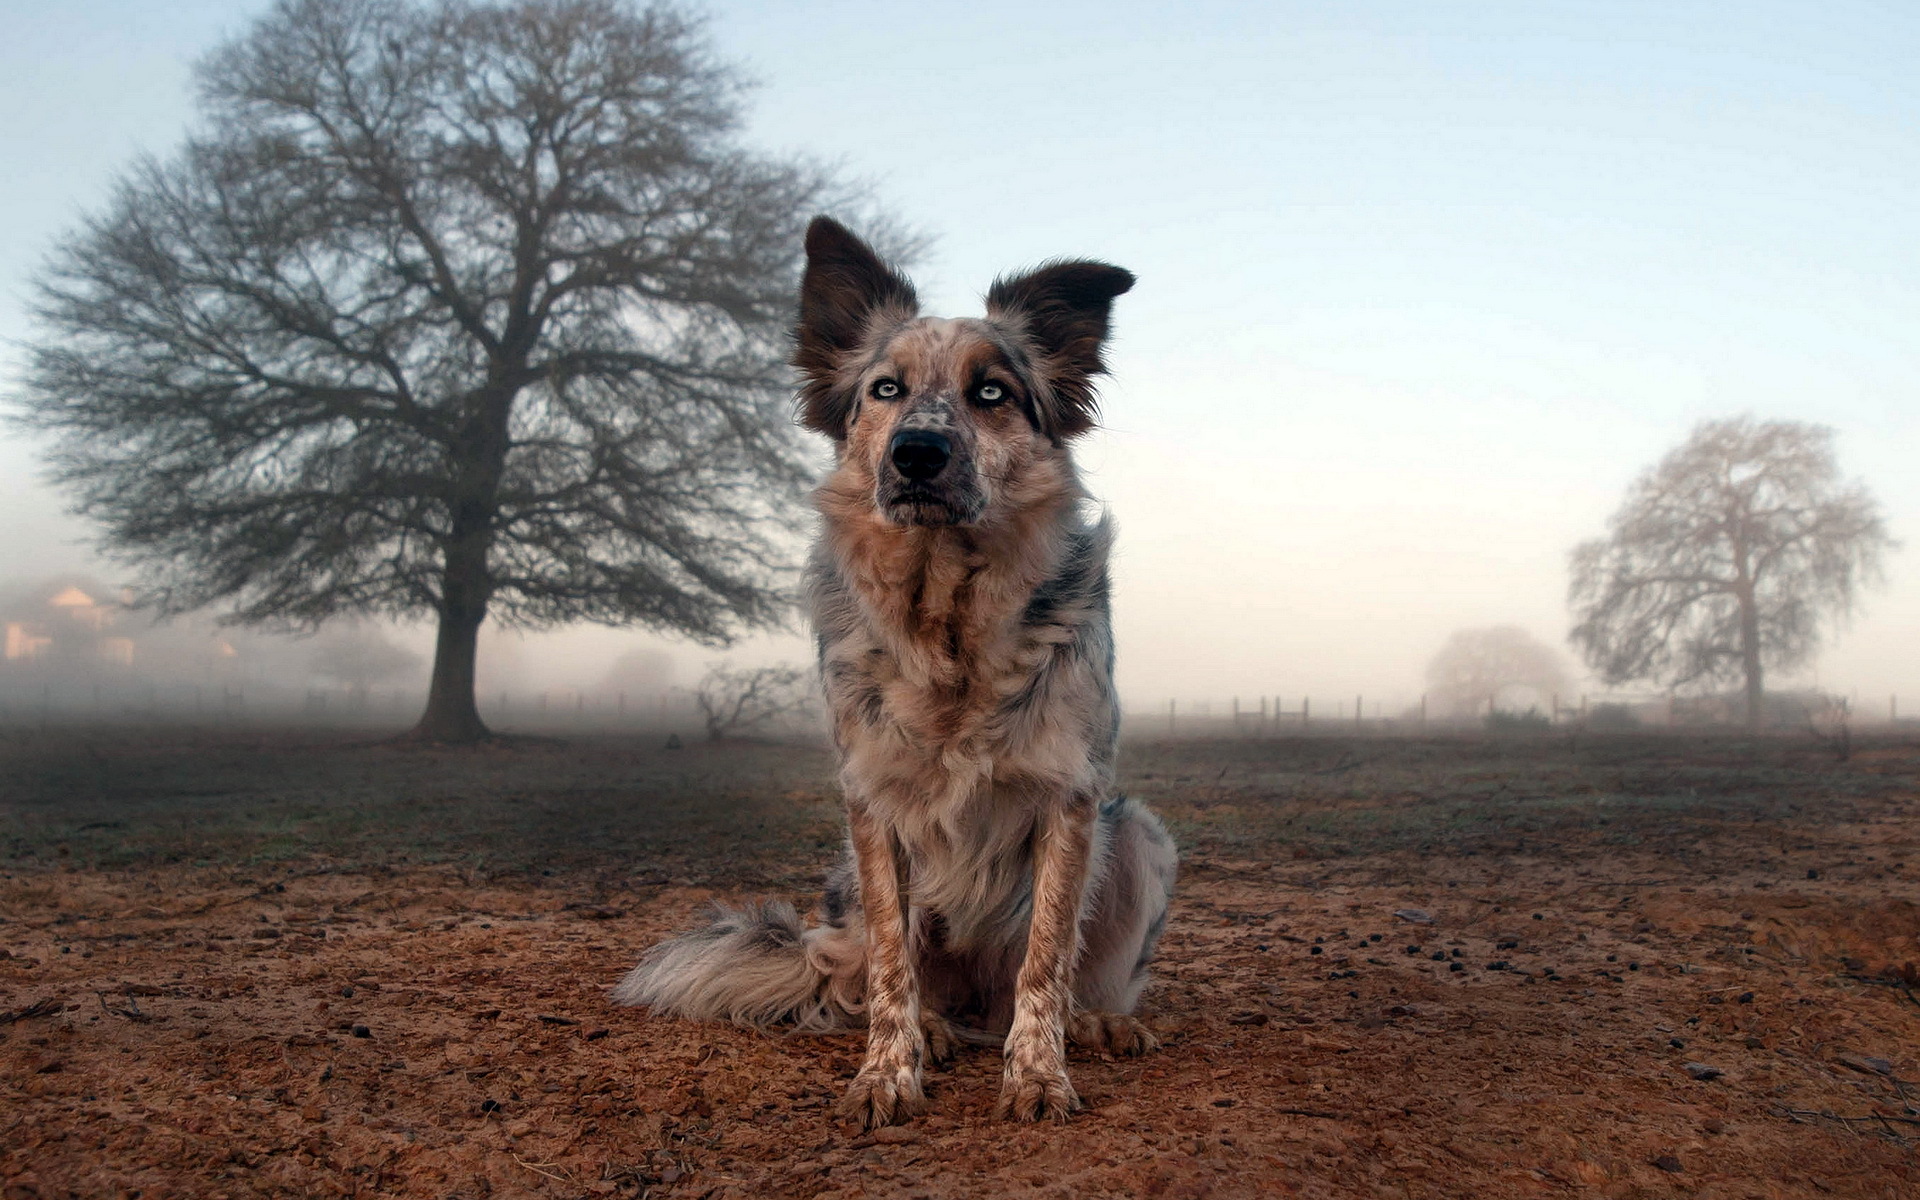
(1612, 718)
(1530, 721)
(737, 701)
(1499, 668)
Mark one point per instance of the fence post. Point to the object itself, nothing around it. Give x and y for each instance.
(1306, 712)
(1423, 710)
(1359, 714)
(1172, 718)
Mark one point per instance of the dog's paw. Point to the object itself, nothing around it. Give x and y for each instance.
(1036, 1095)
(882, 1096)
(1110, 1033)
(941, 1042)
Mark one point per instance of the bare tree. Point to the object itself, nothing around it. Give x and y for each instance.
(1477, 668)
(457, 309)
(1727, 559)
(736, 700)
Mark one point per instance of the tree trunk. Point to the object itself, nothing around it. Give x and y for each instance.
(479, 454)
(1750, 660)
(451, 714)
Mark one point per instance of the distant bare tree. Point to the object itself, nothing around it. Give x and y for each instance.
(1727, 559)
(360, 656)
(1476, 666)
(643, 670)
(734, 700)
(454, 308)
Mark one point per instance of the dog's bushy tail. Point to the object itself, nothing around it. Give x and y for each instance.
(757, 965)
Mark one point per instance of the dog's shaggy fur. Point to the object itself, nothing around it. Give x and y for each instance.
(995, 888)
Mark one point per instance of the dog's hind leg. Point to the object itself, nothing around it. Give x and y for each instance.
(1120, 929)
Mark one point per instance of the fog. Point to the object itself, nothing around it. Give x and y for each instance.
(1421, 291)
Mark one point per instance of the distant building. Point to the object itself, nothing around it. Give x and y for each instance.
(76, 627)
(67, 623)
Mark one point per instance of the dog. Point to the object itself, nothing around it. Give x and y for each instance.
(995, 888)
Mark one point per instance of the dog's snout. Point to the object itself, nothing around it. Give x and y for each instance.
(920, 454)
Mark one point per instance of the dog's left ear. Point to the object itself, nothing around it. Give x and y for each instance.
(1062, 308)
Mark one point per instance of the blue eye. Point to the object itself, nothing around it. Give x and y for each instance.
(886, 389)
(989, 393)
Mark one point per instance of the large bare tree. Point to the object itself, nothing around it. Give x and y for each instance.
(450, 308)
(1728, 559)
(1477, 667)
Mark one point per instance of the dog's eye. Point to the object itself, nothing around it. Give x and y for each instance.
(886, 389)
(989, 394)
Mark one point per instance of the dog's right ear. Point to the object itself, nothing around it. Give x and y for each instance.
(845, 287)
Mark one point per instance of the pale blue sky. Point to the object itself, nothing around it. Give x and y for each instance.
(1421, 287)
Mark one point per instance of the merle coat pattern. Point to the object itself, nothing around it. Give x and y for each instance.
(995, 888)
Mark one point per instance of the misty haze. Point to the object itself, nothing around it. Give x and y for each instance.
(423, 484)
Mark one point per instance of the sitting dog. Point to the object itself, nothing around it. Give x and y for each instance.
(995, 889)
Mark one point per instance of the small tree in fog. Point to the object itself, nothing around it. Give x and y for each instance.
(454, 309)
(360, 657)
(739, 700)
(1728, 559)
(643, 671)
(1476, 666)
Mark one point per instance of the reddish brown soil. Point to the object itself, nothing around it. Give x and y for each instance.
(317, 1027)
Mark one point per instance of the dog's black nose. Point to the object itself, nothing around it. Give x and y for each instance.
(920, 454)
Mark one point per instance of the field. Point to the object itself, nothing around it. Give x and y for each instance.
(239, 964)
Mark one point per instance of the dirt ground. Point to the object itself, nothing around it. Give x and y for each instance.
(272, 964)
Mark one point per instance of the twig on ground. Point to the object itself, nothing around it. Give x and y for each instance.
(131, 1012)
(1882, 981)
(259, 894)
(540, 1169)
(39, 1008)
(1804, 1116)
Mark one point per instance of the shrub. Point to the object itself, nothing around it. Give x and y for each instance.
(1530, 721)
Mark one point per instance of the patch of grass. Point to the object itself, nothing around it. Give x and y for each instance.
(1331, 797)
(742, 814)
(104, 798)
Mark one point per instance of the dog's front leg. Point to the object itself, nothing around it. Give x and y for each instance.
(1034, 1078)
(887, 1089)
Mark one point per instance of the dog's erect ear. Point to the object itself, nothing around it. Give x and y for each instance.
(1062, 308)
(845, 286)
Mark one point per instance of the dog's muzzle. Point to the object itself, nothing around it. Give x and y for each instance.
(920, 454)
(928, 480)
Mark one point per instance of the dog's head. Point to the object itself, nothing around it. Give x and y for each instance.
(948, 418)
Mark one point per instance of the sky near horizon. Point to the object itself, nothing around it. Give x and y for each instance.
(1422, 287)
